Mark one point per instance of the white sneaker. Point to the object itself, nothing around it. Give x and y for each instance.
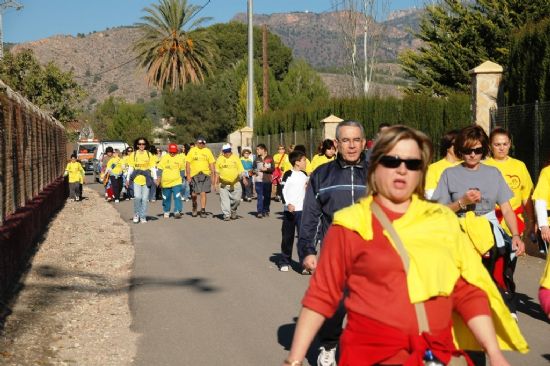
(143, 220)
(117, 201)
(136, 219)
(284, 268)
(77, 198)
(327, 357)
(166, 215)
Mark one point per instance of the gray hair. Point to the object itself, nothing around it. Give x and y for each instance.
(349, 123)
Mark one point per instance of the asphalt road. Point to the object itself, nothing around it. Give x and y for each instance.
(208, 292)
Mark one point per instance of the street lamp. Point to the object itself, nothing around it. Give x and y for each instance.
(3, 6)
(250, 94)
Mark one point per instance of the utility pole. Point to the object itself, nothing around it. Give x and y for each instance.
(250, 94)
(265, 69)
(4, 4)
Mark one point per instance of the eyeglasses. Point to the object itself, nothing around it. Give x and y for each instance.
(201, 143)
(468, 151)
(393, 162)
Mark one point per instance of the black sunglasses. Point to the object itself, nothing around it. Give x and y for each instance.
(477, 151)
(393, 162)
(141, 143)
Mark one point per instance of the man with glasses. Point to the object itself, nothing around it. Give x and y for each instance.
(332, 186)
(198, 170)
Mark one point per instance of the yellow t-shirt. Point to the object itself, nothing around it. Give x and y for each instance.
(434, 173)
(115, 165)
(199, 160)
(75, 172)
(319, 160)
(229, 169)
(542, 190)
(142, 161)
(124, 162)
(309, 169)
(516, 176)
(284, 162)
(171, 166)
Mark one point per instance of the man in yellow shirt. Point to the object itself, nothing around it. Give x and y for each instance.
(435, 170)
(229, 171)
(75, 172)
(199, 168)
(169, 179)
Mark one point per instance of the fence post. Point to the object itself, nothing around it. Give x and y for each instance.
(310, 142)
(536, 141)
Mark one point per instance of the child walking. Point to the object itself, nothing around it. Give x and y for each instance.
(294, 190)
(75, 172)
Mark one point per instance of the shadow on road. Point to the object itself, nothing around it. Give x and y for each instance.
(284, 337)
(72, 283)
(527, 306)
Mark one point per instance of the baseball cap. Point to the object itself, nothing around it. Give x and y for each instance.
(226, 148)
(172, 148)
(201, 139)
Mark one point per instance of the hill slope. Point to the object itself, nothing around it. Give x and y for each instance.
(105, 65)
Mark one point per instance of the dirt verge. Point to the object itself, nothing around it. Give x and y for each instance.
(72, 308)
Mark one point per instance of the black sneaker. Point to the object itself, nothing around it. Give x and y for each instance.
(203, 213)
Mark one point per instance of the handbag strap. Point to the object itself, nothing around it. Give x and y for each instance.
(420, 308)
(280, 160)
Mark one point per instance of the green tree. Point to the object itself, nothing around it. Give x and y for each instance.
(172, 55)
(232, 41)
(302, 85)
(47, 86)
(460, 35)
(129, 122)
(242, 107)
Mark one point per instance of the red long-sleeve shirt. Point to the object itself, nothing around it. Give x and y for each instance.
(375, 278)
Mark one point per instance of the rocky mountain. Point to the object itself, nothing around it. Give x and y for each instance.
(316, 37)
(105, 65)
(102, 62)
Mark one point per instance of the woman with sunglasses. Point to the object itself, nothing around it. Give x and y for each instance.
(436, 274)
(475, 187)
(141, 173)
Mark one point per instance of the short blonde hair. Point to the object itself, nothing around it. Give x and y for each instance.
(387, 141)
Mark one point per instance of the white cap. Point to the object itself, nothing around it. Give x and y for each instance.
(226, 147)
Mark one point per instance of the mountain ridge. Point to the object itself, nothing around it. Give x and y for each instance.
(104, 64)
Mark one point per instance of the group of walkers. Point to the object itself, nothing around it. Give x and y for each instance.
(419, 256)
(399, 263)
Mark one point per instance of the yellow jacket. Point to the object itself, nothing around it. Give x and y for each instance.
(439, 253)
(319, 160)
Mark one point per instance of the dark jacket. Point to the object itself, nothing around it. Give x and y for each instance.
(331, 187)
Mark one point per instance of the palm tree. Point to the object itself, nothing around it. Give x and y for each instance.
(172, 55)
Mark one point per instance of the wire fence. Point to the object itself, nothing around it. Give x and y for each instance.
(310, 138)
(529, 125)
(32, 151)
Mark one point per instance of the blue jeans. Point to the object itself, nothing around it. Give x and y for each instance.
(153, 192)
(141, 198)
(167, 199)
(185, 189)
(263, 192)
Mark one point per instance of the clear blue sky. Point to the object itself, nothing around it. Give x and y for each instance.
(43, 18)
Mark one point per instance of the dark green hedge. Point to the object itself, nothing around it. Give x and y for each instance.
(528, 75)
(433, 116)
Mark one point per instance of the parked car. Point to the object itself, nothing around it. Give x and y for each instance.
(85, 153)
(100, 151)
